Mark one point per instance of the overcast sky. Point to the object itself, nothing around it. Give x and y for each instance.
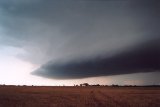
(56, 42)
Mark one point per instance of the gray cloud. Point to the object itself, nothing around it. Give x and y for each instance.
(64, 31)
(144, 58)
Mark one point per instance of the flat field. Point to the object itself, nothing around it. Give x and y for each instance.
(34, 96)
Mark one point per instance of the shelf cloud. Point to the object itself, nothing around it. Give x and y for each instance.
(143, 58)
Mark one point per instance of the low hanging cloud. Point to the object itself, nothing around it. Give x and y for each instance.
(143, 58)
(78, 39)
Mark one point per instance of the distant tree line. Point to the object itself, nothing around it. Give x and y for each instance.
(116, 85)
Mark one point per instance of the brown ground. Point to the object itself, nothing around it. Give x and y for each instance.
(14, 96)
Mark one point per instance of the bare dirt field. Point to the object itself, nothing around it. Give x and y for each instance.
(25, 96)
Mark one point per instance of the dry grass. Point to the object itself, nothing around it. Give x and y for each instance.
(12, 96)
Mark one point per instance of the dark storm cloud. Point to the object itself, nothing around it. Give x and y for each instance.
(144, 58)
(57, 33)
